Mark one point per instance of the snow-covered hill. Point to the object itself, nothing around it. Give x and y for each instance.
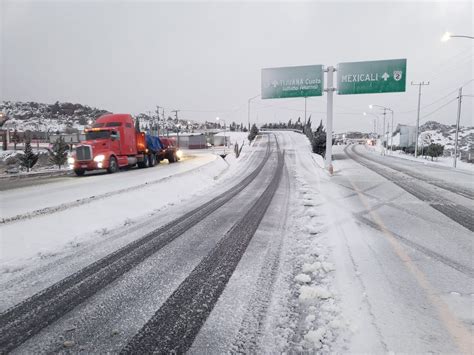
(41, 117)
(434, 132)
(68, 117)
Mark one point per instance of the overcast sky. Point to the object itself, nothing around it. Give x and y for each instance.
(204, 58)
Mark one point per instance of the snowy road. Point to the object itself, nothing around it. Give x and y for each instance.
(406, 257)
(270, 255)
(209, 236)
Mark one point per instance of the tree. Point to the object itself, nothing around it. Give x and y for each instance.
(15, 138)
(58, 153)
(253, 132)
(319, 140)
(137, 124)
(28, 159)
(434, 150)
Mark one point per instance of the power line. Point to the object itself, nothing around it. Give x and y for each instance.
(441, 67)
(439, 108)
(440, 99)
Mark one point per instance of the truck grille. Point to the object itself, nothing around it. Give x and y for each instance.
(84, 152)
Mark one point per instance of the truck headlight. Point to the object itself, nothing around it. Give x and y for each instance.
(70, 160)
(179, 154)
(100, 158)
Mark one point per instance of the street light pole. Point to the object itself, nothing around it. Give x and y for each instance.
(384, 129)
(376, 119)
(448, 36)
(305, 111)
(225, 130)
(248, 107)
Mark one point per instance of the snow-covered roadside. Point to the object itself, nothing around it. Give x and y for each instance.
(31, 241)
(303, 315)
(440, 161)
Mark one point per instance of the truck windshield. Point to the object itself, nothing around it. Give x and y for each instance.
(97, 135)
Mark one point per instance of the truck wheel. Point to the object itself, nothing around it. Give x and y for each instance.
(79, 172)
(151, 160)
(113, 166)
(171, 158)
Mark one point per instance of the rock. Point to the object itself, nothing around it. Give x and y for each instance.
(69, 343)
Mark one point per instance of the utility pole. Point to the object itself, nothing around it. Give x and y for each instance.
(158, 117)
(248, 107)
(457, 127)
(175, 113)
(391, 137)
(384, 131)
(418, 115)
(177, 125)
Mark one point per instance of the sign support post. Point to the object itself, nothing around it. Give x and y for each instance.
(330, 92)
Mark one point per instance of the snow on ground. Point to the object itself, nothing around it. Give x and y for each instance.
(303, 315)
(440, 161)
(236, 137)
(91, 207)
(353, 288)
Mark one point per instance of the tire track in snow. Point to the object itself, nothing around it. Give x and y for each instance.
(29, 317)
(451, 263)
(247, 340)
(175, 325)
(456, 212)
(465, 192)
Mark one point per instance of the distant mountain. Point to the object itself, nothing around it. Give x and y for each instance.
(68, 117)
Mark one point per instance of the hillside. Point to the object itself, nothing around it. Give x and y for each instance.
(68, 117)
(435, 132)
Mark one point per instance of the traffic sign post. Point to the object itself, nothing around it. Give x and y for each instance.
(373, 77)
(286, 82)
(330, 92)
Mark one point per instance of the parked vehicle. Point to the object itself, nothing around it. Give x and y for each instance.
(113, 143)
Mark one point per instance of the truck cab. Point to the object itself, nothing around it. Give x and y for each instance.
(109, 144)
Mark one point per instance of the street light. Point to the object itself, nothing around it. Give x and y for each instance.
(375, 120)
(249, 107)
(447, 36)
(384, 129)
(217, 118)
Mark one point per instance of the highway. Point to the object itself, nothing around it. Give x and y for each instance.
(277, 257)
(192, 259)
(408, 246)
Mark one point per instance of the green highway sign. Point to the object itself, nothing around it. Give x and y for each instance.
(302, 81)
(371, 77)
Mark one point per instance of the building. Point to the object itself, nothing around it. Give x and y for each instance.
(404, 136)
(190, 140)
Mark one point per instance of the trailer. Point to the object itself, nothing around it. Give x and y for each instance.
(113, 143)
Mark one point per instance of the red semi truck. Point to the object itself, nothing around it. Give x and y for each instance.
(113, 143)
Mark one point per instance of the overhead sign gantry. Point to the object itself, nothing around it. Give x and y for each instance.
(372, 77)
